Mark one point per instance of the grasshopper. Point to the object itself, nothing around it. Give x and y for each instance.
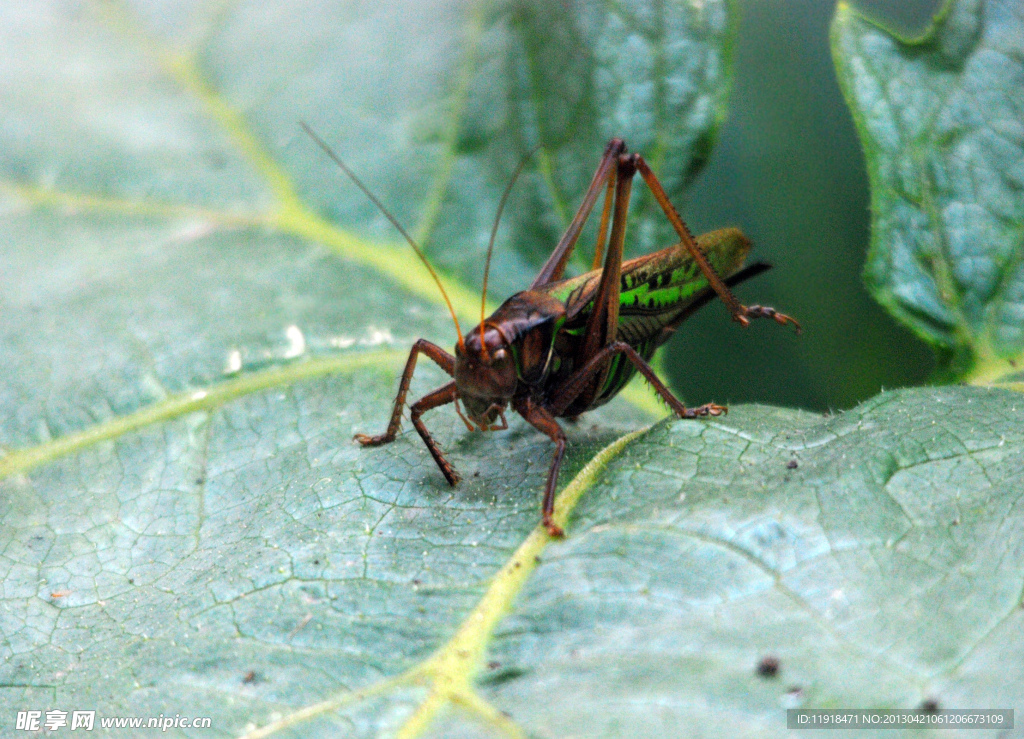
(565, 346)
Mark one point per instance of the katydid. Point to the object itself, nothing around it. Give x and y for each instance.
(565, 346)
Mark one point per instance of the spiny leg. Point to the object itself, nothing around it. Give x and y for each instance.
(602, 231)
(602, 324)
(740, 313)
(442, 358)
(578, 381)
(706, 295)
(542, 420)
(555, 266)
(441, 396)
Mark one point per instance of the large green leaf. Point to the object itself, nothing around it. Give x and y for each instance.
(940, 120)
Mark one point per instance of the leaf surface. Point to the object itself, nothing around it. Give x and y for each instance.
(199, 313)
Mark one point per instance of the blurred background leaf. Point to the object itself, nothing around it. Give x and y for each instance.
(940, 118)
(788, 168)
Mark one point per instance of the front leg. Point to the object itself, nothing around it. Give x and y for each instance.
(542, 420)
(442, 358)
(441, 396)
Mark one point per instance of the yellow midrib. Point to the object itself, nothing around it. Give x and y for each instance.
(449, 673)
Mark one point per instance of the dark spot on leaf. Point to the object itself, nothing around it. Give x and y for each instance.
(499, 676)
(792, 464)
(768, 666)
(200, 480)
(930, 706)
(216, 159)
(316, 561)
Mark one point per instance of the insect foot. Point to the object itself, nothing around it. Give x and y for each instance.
(763, 311)
(708, 409)
(554, 530)
(367, 440)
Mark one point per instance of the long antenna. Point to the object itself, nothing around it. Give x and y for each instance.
(494, 235)
(394, 222)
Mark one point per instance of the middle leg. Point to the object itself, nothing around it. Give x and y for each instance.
(542, 420)
(441, 396)
(576, 383)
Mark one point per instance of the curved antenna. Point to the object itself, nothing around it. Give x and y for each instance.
(494, 235)
(394, 222)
